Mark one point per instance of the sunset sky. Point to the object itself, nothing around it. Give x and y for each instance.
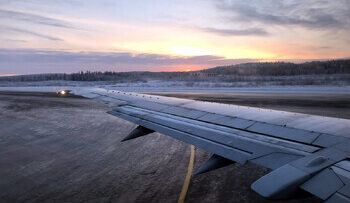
(159, 35)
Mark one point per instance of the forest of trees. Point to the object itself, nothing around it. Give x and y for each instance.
(223, 73)
(284, 69)
(99, 76)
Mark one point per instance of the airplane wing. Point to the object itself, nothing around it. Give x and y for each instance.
(305, 152)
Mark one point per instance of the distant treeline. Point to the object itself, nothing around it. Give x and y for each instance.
(99, 76)
(283, 69)
(223, 73)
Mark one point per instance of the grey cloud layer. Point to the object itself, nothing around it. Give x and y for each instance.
(8, 27)
(311, 14)
(33, 18)
(28, 32)
(38, 56)
(236, 32)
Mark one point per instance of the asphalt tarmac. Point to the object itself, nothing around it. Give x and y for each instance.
(67, 149)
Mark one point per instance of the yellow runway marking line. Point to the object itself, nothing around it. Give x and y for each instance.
(188, 177)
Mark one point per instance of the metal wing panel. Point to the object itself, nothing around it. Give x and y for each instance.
(327, 140)
(214, 147)
(323, 184)
(249, 113)
(253, 137)
(251, 144)
(202, 131)
(187, 113)
(275, 160)
(332, 183)
(327, 125)
(284, 132)
(319, 124)
(227, 120)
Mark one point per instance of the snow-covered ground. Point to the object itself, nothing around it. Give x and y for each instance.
(161, 86)
(271, 89)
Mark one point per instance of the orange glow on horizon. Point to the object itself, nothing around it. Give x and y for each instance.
(8, 75)
(187, 68)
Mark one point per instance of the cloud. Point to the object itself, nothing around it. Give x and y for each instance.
(236, 32)
(324, 47)
(14, 40)
(34, 56)
(33, 18)
(313, 14)
(28, 32)
(24, 61)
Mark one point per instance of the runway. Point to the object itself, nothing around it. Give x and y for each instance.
(67, 149)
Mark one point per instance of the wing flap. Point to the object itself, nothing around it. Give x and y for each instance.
(275, 160)
(187, 113)
(211, 146)
(253, 144)
(227, 121)
(212, 131)
(284, 132)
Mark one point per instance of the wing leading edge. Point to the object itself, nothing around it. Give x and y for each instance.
(306, 152)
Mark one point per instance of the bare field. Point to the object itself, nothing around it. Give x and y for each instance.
(68, 149)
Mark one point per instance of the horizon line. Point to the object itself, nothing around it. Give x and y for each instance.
(187, 70)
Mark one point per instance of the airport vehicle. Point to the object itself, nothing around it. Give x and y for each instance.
(305, 152)
(63, 92)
